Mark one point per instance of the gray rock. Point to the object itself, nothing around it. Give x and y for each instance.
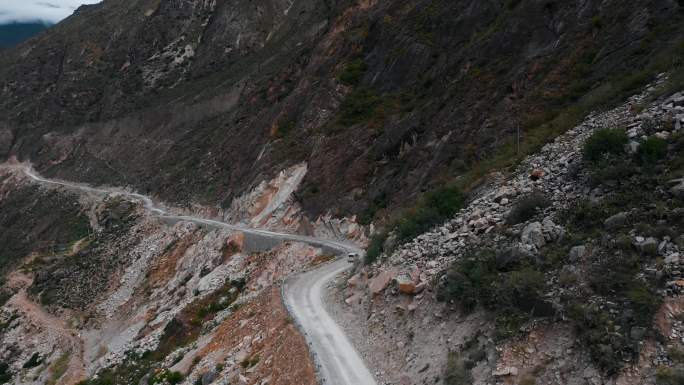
(533, 235)
(633, 147)
(678, 100)
(551, 231)
(577, 253)
(617, 220)
(672, 258)
(208, 377)
(677, 187)
(637, 333)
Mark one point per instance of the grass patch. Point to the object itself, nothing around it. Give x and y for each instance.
(359, 106)
(457, 372)
(353, 72)
(434, 208)
(59, 367)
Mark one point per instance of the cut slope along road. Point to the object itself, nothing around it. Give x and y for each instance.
(337, 360)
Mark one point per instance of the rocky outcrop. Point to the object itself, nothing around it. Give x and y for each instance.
(558, 173)
(199, 300)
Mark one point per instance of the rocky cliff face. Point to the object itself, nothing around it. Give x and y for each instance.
(564, 271)
(200, 101)
(317, 117)
(96, 290)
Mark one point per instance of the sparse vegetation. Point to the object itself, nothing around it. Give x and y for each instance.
(5, 373)
(34, 361)
(353, 72)
(250, 361)
(457, 372)
(434, 208)
(511, 291)
(669, 376)
(359, 106)
(527, 207)
(604, 143)
(166, 377)
(651, 150)
(59, 367)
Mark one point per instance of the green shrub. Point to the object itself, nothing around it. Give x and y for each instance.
(603, 143)
(513, 296)
(166, 376)
(584, 217)
(359, 106)
(526, 208)
(652, 150)
(32, 362)
(669, 376)
(353, 72)
(676, 354)
(434, 208)
(470, 281)
(644, 301)
(597, 332)
(375, 247)
(457, 372)
(611, 169)
(5, 373)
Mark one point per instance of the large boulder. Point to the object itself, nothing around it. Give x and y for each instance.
(405, 284)
(677, 188)
(577, 253)
(379, 283)
(617, 220)
(533, 235)
(551, 231)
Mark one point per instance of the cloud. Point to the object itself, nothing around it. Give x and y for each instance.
(48, 11)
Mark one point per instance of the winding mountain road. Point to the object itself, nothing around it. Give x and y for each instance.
(337, 360)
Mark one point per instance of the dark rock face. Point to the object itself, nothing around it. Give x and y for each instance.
(199, 100)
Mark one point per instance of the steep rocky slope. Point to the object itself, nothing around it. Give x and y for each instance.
(565, 271)
(320, 117)
(99, 291)
(381, 100)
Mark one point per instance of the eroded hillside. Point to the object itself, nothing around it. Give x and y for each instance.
(566, 270)
(382, 100)
(99, 291)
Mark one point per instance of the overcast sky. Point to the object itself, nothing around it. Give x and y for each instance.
(50, 11)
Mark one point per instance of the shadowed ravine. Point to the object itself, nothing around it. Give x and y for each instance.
(337, 360)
